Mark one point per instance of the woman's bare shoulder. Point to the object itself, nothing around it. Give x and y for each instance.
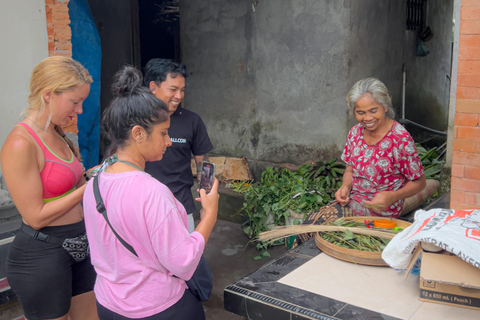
(18, 143)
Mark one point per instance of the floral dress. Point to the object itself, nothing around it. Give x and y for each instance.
(385, 166)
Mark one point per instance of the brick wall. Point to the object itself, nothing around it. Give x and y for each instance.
(58, 28)
(465, 187)
(60, 37)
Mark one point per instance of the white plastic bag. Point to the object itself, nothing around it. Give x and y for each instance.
(456, 231)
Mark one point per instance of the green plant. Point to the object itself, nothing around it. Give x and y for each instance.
(239, 186)
(432, 165)
(283, 195)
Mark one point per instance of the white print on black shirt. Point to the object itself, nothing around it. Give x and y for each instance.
(178, 140)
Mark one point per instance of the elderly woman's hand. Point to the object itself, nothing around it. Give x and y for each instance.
(380, 202)
(343, 195)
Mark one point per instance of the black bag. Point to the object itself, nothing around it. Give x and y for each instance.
(77, 247)
(200, 284)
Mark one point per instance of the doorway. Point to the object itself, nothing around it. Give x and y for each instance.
(159, 22)
(133, 32)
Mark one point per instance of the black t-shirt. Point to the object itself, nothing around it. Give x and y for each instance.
(189, 136)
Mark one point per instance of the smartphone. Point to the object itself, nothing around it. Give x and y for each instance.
(207, 176)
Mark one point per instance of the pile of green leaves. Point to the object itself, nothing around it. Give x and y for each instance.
(281, 192)
(349, 240)
(431, 160)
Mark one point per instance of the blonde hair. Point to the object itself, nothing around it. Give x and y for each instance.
(376, 89)
(56, 74)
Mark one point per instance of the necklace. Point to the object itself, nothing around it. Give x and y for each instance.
(53, 134)
(114, 159)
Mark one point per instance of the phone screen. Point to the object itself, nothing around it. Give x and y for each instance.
(207, 176)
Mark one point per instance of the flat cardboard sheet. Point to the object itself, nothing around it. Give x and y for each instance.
(380, 289)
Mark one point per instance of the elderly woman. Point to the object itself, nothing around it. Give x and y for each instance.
(382, 164)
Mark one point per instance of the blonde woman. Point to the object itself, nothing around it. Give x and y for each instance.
(48, 265)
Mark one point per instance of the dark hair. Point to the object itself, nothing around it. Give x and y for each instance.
(157, 70)
(132, 105)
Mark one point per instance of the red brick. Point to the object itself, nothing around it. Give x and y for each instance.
(458, 170)
(63, 31)
(472, 199)
(457, 196)
(63, 38)
(59, 15)
(71, 126)
(467, 119)
(467, 106)
(49, 14)
(466, 145)
(462, 206)
(468, 13)
(468, 80)
(472, 172)
(470, 27)
(62, 3)
(468, 53)
(468, 67)
(66, 24)
(465, 158)
(468, 93)
(61, 8)
(469, 40)
(62, 46)
(471, 133)
(464, 184)
(465, 3)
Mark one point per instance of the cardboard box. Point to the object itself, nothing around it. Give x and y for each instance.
(447, 279)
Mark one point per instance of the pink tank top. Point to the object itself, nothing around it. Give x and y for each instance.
(59, 177)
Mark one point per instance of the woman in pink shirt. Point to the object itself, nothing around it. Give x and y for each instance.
(145, 214)
(382, 164)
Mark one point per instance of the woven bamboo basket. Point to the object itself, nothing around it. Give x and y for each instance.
(356, 256)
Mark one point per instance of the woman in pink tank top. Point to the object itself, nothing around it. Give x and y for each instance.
(48, 264)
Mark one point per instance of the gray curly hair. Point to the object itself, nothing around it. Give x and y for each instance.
(374, 87)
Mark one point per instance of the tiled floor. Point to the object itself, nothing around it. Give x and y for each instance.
(305, 283)
(231, 260)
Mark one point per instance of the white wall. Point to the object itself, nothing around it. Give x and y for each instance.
(23, 44)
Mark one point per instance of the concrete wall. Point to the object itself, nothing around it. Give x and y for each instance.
(428, 78)
(24, 45)
(377, 43)
(270, 80)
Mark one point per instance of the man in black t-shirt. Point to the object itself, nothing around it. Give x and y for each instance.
(166, 79)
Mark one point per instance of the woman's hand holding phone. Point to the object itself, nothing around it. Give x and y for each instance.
(208, 213)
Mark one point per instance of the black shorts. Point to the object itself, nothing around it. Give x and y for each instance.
(44, 276)
(188, 307)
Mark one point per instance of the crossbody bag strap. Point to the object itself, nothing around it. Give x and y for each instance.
(101, 208)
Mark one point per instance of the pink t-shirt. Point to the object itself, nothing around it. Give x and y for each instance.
(147, 216)
(385, 166)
